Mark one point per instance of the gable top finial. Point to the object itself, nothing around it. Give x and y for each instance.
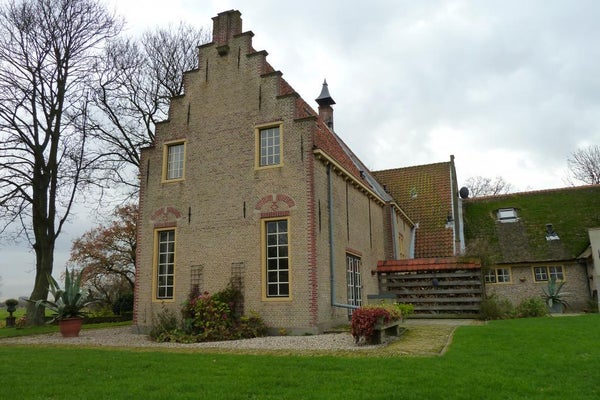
(324, 98)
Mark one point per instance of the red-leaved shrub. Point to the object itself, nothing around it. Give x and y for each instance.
(364, 320)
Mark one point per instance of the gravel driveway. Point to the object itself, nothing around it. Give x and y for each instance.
(125, 337)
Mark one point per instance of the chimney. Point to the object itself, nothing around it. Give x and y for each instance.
(225, 26)
(325, 102)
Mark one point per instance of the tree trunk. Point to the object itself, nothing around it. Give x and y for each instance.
(44, 233)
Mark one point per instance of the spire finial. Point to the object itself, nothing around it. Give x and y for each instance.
(324, 98)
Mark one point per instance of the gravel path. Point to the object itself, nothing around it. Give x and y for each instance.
(125, 337)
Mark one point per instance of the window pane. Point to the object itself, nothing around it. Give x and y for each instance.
(283, 251)
(272, 290)
(503, 275)
(284, 290)
(556, 273)
(283, 263)
(541, 273)
(272, 265)
(284, 277)
(272, 252)
(490, 276)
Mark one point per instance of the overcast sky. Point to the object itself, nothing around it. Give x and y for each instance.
(510, 88)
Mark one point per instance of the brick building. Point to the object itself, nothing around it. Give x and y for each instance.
(526, 239)
(245, 181)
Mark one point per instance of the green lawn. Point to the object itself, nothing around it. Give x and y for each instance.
(542, 358)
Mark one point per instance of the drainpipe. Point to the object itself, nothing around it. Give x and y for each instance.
(453, 197)
(331, 242)
(461, 228)
(394, 233)
(413, 236)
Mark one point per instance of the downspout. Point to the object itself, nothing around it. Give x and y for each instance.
(394, 233)
(452, 198)
(413, 236)
(331, 242)
(461, 229)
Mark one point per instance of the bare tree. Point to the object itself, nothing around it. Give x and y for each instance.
(584, 165)
(481, 186)
(48, 51)
(134, 92)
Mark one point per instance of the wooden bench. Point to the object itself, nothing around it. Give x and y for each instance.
(383, 331)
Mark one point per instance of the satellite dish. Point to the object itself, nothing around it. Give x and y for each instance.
(464, 192)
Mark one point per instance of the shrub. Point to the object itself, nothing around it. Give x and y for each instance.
(250, 326)
(495, 308)
(21, 322)
(405, 309)
(211, 317)
(532, 307)
(162, 323)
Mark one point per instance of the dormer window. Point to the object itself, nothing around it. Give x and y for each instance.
(507, 215)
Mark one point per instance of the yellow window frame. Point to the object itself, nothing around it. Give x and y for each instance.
(165, 162)
(263, 255)
(257, 145)
(155, 297)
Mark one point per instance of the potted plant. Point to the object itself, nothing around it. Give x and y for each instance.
(11, 307)
(554, 296)
(68, 304)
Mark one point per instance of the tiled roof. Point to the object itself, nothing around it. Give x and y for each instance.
(425, 193)
(335, 147)
(571, 211)
(428, 264)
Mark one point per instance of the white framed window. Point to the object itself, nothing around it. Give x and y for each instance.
(165, 264)
(545, 274)
(269, 146)
(174, 161)
(353, 280)
(507, 215)
(498, 275)
(276, 258)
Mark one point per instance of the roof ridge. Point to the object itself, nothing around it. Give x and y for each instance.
(412, 166)
(537, 191)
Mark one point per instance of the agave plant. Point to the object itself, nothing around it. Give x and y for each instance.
(68, 302)
(553, 294)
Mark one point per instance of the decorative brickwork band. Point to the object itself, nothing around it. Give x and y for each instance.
(165, 217)
(275, 214)
(275, 204)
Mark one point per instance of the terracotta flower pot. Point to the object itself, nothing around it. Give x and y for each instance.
(70, 327)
